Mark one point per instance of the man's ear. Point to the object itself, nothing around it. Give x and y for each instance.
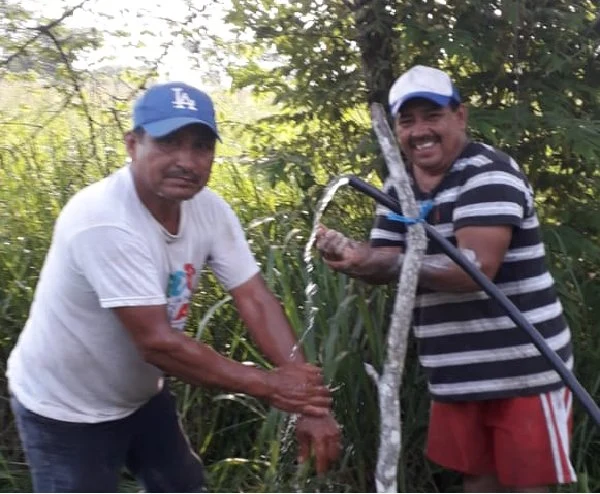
(131, 140)
(462, 112)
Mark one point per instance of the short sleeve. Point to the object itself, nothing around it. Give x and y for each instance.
(386, 232)
(230, 258)
(118, 266)
(494, 194)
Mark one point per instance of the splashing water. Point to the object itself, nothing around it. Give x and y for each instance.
(311, 287)
(286, 441)
(311, 311)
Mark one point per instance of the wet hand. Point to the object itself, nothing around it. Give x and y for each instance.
(338, 251)
(322, 437)
(331, 244)
(298, 388)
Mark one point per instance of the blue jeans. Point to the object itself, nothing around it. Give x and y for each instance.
(77, 457)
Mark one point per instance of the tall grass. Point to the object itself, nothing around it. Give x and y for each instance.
(349, 330)
(575, 261)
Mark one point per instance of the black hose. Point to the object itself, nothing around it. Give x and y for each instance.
(511, 310)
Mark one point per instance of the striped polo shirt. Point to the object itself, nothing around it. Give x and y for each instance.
(469, 347)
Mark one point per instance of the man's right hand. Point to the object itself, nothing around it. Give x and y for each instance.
(339, 252)
(298, 388)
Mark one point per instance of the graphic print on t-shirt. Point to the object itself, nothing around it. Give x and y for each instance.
(179, 293)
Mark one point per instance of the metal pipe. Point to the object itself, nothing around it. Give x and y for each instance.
(511, 310)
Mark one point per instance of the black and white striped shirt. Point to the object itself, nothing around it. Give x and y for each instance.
(469, 347)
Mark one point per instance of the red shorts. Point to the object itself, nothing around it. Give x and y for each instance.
(523, 441)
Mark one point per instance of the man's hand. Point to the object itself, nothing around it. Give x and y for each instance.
(339, 252)
(358, 259)
(298, 388)
(322, 436)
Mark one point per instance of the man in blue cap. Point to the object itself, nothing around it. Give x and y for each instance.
(500, 414)
(106, 325)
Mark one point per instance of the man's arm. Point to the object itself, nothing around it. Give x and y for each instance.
(266, 321)
(271, 331)
(377, 266)
(485, 246)
(293, 388)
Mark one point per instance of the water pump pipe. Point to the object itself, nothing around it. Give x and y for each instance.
(511, 310)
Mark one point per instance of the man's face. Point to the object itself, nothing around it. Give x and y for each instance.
(431, 136)
(174, 167)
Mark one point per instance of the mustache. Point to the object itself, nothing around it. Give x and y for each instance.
(413, 141)
(179, 172)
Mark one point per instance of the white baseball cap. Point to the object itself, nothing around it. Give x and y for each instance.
(422, 82)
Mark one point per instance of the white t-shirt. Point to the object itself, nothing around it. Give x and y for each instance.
(74, 361)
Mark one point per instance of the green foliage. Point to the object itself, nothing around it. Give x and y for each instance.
(45, 46)
(530, 86)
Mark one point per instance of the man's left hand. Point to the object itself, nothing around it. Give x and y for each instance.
(322, 436)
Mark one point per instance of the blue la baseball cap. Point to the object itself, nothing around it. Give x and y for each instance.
(165, 108)
(422, 82)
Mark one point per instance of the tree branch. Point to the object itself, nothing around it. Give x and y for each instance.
(41, 30)
(388, 384)
(77, 86)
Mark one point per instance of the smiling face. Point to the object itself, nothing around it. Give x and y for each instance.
(172, 168)
(431, 136)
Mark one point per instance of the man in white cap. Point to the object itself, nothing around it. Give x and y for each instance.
(87, 373)
(500, 414)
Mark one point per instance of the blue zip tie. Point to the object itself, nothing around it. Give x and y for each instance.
(424, 209)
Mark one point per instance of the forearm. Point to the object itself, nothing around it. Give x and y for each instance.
(295, 388)
(270, 329)
(284, 347)
(378, 266)
(436, 273)
(198, 364)
(440, 273)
